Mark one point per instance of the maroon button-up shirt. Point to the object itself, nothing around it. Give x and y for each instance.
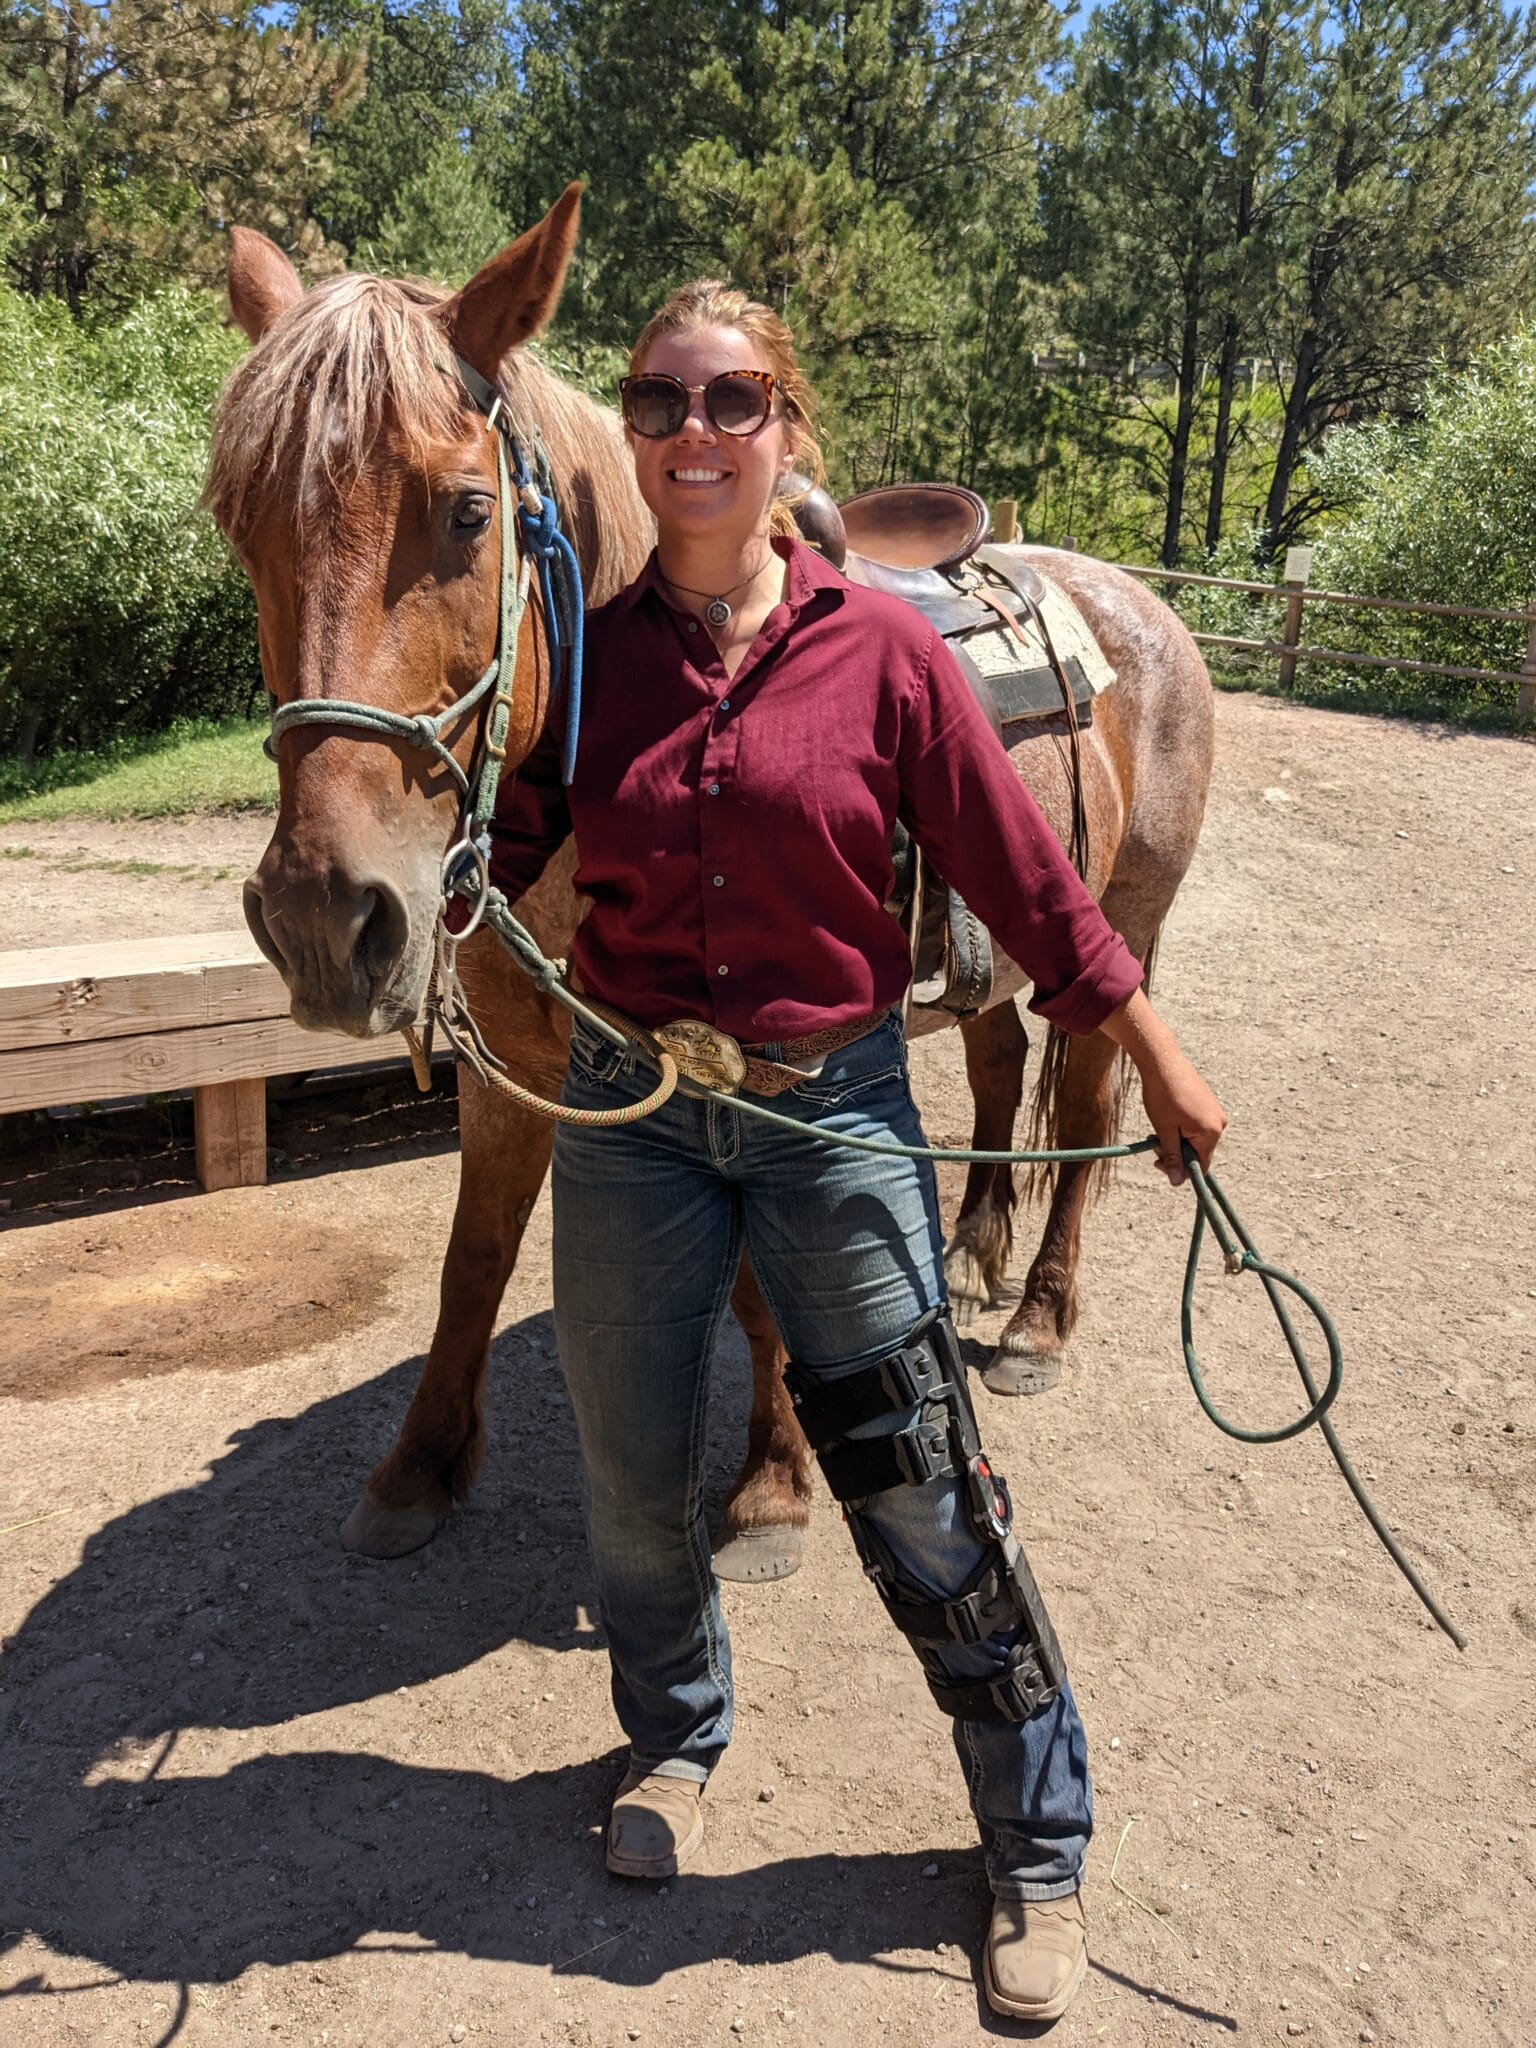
(733, 833)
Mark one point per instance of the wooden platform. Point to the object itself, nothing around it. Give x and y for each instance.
(145, 1016)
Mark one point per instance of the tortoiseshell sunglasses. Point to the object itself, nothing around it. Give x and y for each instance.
(737, 402)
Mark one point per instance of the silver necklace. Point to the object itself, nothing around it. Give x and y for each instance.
(717, 611)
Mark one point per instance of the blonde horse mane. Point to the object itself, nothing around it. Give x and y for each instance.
(303, 412)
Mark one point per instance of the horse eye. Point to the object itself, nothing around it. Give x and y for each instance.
(471, 516)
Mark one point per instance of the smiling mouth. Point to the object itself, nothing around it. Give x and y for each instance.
(698, 476)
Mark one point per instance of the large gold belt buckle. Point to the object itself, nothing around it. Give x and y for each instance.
(703, 1054)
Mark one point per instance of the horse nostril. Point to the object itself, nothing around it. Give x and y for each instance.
(384, 934)
(256, 918)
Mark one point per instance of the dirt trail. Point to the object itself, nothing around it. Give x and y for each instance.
(259, 1791)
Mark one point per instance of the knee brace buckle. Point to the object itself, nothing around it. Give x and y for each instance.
(829, 1408)
(1018, 1692)
(985, 1606)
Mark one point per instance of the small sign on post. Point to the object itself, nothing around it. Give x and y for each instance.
(1298, 568)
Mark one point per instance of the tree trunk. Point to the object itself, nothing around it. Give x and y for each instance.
(1242, 227)
(1183, 422)
(1289, 452)
(1226, 372)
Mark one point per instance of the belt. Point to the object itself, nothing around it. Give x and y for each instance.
(706, 1054)
(772, 1077)
(710, 1056)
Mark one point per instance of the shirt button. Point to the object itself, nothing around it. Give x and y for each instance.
(693, 625)
(725, 703)
(714, 789)
(719, 881)
(722, 970)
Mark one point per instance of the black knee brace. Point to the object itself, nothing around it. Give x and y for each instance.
(927, 1373)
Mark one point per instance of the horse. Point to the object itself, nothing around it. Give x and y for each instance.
(356, 481)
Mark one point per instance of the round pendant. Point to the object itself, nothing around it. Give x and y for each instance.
(718, 612)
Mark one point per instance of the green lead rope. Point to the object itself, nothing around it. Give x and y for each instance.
(1212, 1206)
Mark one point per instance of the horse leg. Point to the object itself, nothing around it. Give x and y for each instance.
(438, 1454)
(976, 1260)
(1028, 1357)
(762, 1533)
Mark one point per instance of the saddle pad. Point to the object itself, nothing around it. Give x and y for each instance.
(1018, 672)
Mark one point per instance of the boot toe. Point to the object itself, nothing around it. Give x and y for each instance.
(1036, 1956)
(655, 1826)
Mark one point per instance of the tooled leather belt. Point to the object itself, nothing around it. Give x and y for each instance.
(706, 1054)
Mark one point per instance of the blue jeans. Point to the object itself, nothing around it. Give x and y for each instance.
(649, 1224)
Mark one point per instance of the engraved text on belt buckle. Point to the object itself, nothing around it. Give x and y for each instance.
(704, 1054)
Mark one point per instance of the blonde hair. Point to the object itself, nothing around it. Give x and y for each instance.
(710, 302)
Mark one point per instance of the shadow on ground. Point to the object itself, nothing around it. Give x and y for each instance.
(230, 1605)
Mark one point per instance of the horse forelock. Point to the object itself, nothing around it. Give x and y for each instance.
(301, 415)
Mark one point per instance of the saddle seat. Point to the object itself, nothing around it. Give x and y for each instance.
(915, 526)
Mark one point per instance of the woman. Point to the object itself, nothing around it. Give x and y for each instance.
(753, 726)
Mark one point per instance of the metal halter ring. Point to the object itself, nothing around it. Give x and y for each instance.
(453, 871)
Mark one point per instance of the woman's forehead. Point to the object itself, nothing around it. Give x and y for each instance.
(698, 353)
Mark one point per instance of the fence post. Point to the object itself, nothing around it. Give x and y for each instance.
(1005, 520)
(1298, 567)
(1069, 543)
(1526, 700)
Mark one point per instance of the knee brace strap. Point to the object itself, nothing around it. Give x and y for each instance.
(915, 1375)
(1019, 1691)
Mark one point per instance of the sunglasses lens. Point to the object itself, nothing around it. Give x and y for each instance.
(654, 406)
(738, 405)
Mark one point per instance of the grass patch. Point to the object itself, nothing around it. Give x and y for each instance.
(198, 765)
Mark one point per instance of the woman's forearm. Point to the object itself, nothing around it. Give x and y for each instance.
(1179, 1104)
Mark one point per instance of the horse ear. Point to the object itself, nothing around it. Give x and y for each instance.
(517, 292)
(263, 284)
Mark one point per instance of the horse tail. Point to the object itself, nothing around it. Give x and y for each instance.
(1045, 1134)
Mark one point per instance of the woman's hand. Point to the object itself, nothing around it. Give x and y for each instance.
(1179, 1104)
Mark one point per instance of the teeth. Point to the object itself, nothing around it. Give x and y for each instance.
(699, 476)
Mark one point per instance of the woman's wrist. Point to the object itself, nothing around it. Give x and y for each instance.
(1140, 1033)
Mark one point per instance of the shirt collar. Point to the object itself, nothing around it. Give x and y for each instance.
(809, 572)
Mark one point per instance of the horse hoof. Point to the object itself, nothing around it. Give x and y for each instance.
(1010, 1375)
(753, 1556)
(372, 1531)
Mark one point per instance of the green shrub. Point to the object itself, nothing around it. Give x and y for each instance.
(120, 607)
(1440, 508)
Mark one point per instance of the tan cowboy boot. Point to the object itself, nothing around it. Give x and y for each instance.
(655, 1826)
(1036, 1956)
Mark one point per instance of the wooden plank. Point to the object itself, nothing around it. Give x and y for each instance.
(1374, 604)
(52, 995)
(230, 1124)
(97, 1070)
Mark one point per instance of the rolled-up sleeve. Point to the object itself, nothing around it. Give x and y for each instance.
(966, 807)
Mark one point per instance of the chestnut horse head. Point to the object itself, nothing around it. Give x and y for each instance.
(357, 480)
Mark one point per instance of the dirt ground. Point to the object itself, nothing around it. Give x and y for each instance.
(256, 1790)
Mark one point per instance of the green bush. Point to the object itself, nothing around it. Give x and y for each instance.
(120, 607)
(1440, 508)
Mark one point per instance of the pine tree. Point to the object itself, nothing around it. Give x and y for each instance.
(419, 168)
(1174, 132)
(1408, 230)
(135, 131)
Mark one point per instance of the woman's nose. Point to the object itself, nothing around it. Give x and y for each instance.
(697, 424)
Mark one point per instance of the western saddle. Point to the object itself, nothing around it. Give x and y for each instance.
(927, 544)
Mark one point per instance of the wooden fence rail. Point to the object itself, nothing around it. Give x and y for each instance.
(1296, 594)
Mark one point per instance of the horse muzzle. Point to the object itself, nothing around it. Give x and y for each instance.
(354, 957)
